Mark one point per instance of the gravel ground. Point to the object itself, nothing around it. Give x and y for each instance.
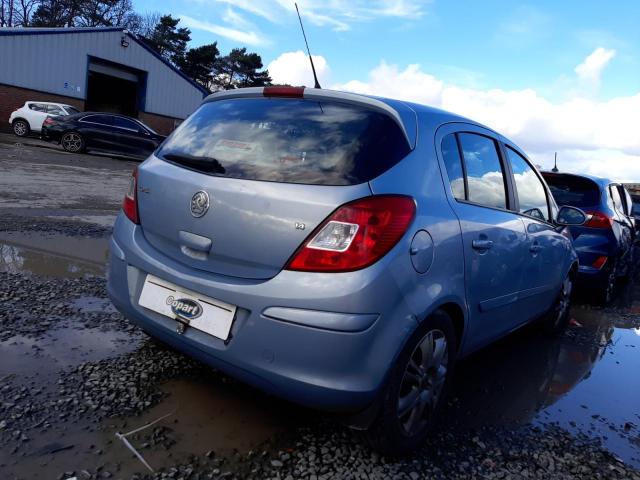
(128, 384)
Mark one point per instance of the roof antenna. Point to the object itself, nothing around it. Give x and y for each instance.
(555, 163)
(315, 77)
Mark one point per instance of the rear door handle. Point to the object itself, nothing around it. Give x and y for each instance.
(482, 244)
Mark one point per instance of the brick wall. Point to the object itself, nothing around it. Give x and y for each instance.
(161, 124)
(12, 98)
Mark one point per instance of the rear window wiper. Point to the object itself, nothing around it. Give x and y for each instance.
(205, 164)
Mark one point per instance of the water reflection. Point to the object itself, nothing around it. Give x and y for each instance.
(585, 381)
(52, 255)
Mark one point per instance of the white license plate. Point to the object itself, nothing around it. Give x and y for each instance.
(190, 309)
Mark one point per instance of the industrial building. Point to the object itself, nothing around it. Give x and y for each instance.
(94, 69)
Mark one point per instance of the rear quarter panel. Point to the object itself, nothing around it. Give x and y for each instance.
(418, 175)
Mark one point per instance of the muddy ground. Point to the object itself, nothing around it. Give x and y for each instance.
(74, 374)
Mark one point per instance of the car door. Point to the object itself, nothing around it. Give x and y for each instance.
(546, 247)
(36, 114)
(135, 140)
(98, 131)
(623, 225)
(494, 238)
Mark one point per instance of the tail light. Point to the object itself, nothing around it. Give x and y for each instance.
(356, 235)
(598, 220)
(48, 121)
(287, 92)
(130, 202)
(599, 262)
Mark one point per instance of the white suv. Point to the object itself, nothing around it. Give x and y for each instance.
(30, 116)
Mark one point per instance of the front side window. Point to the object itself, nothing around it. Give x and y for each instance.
(485, 178)
(54, 110)
(125, 123)
(530, 190)
(453, 164)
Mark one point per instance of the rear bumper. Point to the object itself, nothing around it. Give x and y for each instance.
(284, 338)
(50, 135)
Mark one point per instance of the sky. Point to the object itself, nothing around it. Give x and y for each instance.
(552, 76)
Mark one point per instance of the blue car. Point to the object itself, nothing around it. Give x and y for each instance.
(339, 250)
(605, 242)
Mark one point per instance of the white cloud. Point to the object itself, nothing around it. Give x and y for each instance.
(599, 137)
(293, 68)
(590, 70)
(244, 37)
(337, 14)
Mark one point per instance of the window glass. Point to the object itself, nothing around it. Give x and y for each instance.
(485, 179)
(529, 188)
(287, 140)
(573, 190)
(617, 201)
(453, 164)
(71, 110)
(54, 110)
(125, 123)
(102, 119)
(38, 107)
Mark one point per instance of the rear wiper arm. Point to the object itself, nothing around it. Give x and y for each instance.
(207, 164)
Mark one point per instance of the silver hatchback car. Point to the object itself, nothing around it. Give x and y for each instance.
(339, 250)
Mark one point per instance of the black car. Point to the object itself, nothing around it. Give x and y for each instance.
(101, 131)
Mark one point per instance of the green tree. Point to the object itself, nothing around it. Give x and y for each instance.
(240, 69)
(198, 63)
(169, 40)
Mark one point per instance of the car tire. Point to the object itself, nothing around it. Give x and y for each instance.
(556, 320)
(21, 128)
(72, 142)
(417, 385)
(606, 286)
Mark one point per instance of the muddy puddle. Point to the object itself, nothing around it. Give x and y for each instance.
(60, 349)
(196, 418)
(586, 381)
(52, 255)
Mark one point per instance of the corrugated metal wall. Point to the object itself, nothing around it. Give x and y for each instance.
(57, 63)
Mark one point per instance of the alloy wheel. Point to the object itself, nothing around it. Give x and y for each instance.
(20, 128)
(72, 142)
(423, 381)
(564, 301)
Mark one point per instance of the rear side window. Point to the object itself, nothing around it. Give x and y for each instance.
(38, 107)
(485, 178)
(617, 200)
(453, 164)
(530, 190)
(573, 190)
(71, 110)
(287, 140)
(100, 119)
(54, 110)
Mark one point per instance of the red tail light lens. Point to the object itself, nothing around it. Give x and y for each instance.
(130, 203)
(48, 121)
(356, 235)
(598, 220)
(599, 262)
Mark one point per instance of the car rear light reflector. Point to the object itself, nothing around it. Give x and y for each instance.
(356, 235)
(287, 92)
(130, 202)
(598, 220)
(599, 262)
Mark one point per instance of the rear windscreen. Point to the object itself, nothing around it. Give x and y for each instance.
(287, 140)
(573, 191)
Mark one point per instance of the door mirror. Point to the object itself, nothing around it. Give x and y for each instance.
(570, 216)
